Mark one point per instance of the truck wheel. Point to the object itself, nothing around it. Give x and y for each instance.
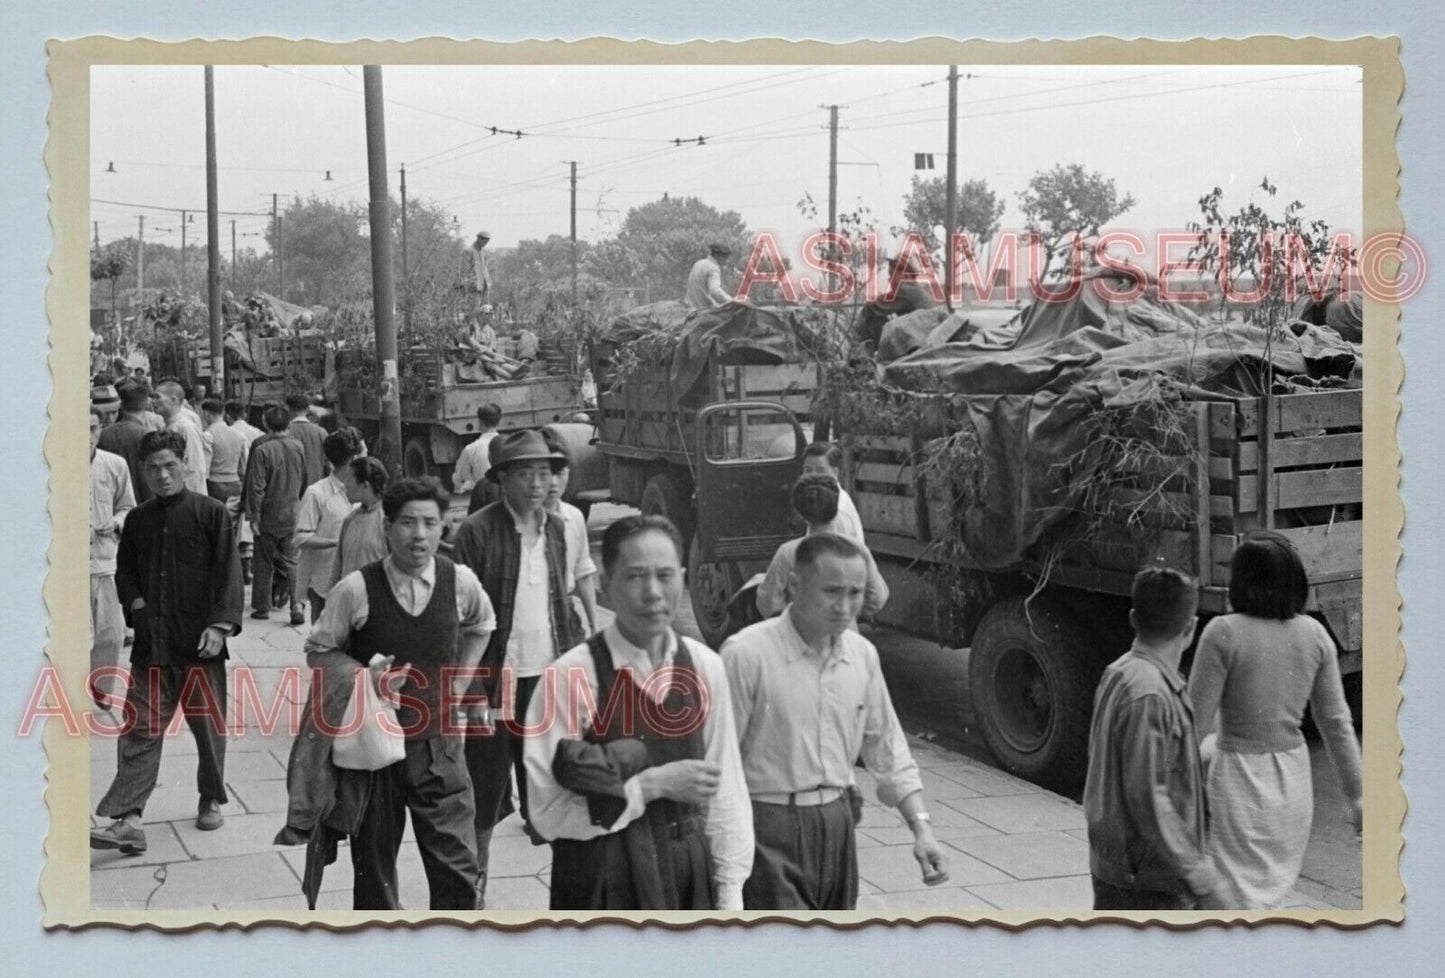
(663, 497)
(711, 587)
(1032, 677)
(416, 458)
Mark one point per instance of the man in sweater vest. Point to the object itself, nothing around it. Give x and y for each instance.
(632, 752)
(432, 617)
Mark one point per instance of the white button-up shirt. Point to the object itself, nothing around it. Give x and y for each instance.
(558, 813)
(111, 497)
(804, 716)
(324, 507)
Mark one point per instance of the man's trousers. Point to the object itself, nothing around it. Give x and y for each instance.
(275, 556)
(432, 783)
(198, 690)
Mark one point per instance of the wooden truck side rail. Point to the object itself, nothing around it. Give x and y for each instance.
(1290, 462)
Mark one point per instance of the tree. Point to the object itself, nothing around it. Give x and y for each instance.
(326, 255)
(659, 242)
(1065, 201)
(977, 211)
(108, 264)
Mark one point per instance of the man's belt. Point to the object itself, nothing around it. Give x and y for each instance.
(807, 799)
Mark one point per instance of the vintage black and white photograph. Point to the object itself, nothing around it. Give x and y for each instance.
(840, 489)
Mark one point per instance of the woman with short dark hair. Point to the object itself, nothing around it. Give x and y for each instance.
(1256, 670)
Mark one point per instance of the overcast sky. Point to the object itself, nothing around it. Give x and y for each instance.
(1166, 133)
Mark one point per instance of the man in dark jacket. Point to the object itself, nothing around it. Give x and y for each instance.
(122, 437)
(275, 482)
(519, 552)
(310, 435)
(179, 580)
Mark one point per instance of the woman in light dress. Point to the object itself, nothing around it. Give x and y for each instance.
(1254, 672)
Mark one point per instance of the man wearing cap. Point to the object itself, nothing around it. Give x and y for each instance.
(704, 282)
(105, 400)
(481, 275)
(519, 552)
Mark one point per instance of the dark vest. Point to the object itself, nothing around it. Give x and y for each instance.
(427, 642)
(660, 861)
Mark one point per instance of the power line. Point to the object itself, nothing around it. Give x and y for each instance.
(174, 210)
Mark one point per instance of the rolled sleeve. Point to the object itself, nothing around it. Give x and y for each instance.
(885, 750)
(475, 614)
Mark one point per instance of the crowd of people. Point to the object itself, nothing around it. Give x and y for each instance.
(663, 774)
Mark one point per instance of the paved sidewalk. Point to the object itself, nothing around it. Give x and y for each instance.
(1011, 845)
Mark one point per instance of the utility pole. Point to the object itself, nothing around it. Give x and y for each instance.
(405, 274)
(832, 177)
(383, 296)
(280, 260)
(213, 243)
(950, 212)
(183, 252)
(96, 224)
(574, 232)
(233, 254)
(140, 259)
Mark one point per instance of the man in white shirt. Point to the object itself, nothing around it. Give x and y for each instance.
(170, 401)
(704, 281)
(235, 417)
(324, 507)
(111, 498)
(809, 700)
(631, 750)
(824, 458)
(473, 462)
(579, 547)
(519, 552)
(815, 497)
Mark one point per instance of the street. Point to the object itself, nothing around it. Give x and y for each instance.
(1011, 845)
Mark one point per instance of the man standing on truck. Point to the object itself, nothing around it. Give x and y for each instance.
(809, 699)
(704, 282)
(481, 275)
(519, 552)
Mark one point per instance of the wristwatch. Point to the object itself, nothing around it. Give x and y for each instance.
(923, 817)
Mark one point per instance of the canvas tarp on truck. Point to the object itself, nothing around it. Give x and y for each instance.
(1029, 394)
(735, 333)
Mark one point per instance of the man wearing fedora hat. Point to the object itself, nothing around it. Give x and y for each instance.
(519, 552)
(704, 282)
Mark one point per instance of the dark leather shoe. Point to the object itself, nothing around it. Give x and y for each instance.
(209, 818)
(129, 839)
(298, 615)
(260, 615)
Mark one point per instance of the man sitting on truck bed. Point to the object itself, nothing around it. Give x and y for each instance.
(815, 497)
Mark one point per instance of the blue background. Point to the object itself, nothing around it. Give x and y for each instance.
(25, 382)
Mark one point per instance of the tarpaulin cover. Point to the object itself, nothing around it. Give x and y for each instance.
(1027, 387)
(1343, 315)
(735, 333)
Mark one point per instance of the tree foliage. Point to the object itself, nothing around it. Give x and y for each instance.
(659, 242)
(1067, 200)
(324, 250)
(977, 211)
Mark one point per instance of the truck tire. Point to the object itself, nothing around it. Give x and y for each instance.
(416, 458)
(1032, 676)
(711, 587)
(662, 496)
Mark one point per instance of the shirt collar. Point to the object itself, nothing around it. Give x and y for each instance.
(1170, 673)
(428, 574)
(799, 648)
(517, 517)
(625, 653)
